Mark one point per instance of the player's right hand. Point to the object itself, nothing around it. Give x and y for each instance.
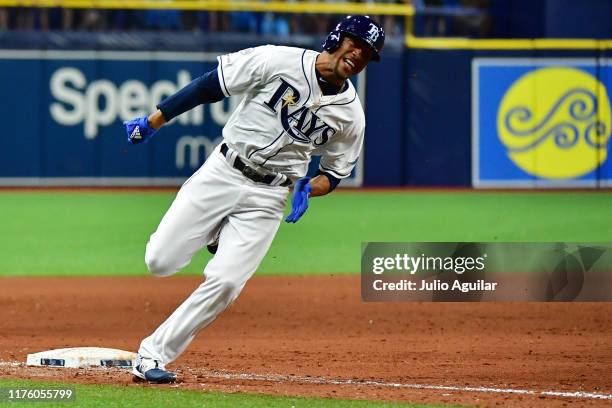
(138, 130)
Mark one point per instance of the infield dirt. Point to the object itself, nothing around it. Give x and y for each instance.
(318, 327)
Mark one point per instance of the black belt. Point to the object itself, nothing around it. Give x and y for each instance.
(251, 173)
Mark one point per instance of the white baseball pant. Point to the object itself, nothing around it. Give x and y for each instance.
(248, 214)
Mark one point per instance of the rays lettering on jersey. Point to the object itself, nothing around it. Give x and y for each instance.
(301, 124)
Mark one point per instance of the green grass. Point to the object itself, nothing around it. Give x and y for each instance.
(104, 233)
(151, 397)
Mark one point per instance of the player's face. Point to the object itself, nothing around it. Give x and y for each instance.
(352, 57)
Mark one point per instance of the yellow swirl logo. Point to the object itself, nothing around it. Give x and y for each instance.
(555, 123)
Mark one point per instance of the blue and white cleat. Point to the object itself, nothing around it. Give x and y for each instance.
(152, 371)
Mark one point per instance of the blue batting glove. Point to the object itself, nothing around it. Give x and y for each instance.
(138, 130)
(299, 205)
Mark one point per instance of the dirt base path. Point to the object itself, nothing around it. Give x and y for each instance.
(313, 336)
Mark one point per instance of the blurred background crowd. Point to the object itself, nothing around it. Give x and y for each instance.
(469, 18)
(433, 18)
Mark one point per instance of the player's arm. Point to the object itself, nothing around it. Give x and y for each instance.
(156, 119)
(236, 73)
(205, 89)
(323, 183)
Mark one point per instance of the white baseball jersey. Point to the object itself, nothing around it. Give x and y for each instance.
(284, 118)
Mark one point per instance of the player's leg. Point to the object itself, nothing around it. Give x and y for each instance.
(243, 243)
(193, 218)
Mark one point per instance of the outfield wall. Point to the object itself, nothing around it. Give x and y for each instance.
(437, 115)
(507, 118)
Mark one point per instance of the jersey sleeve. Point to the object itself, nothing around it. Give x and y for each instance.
(242, 71)
(342, 153)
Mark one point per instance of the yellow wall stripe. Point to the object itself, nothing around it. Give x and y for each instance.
(224, 5)
(505, 44)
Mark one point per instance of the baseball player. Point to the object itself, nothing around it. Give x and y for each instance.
(296, 103)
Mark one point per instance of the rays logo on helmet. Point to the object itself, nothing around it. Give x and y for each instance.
(373, 33)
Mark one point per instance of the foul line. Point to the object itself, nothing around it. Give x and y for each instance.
(370, 383)
(11, 364)
(357, 383)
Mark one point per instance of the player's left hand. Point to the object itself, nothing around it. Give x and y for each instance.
(299, 205)
(138, 130)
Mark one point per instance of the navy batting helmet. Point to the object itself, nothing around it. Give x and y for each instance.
(362, 27)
